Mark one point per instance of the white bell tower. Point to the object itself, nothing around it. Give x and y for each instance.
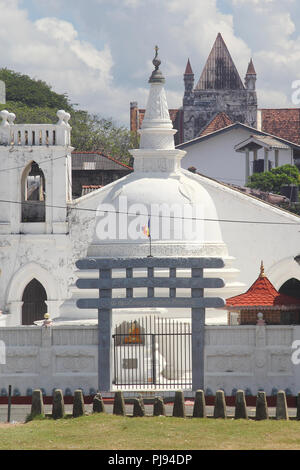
(35, 175)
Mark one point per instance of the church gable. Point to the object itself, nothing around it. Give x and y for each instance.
(219, 72)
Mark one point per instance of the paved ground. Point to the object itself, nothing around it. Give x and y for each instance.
(19, 412)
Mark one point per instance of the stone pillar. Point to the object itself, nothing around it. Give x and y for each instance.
(260, 355)
(198, 323)
(247, 166)
(276, 151)
(281, 406)
(266, 165)
(104, 323)
(220, 405)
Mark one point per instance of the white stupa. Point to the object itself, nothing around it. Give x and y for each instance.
(181, 214)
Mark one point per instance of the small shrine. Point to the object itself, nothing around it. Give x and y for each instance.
(263, 303)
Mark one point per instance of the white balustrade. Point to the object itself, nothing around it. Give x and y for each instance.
(35, 134)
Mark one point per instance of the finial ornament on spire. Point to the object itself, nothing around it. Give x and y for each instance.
(262, 270)
(156, 62)
(156, 76)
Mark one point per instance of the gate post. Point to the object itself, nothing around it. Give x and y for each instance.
(104, 335)
(198, 323)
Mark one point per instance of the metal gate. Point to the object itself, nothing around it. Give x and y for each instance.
(152, 353)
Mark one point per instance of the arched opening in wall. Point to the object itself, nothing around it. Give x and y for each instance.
(34, 305)
(33, 194)
(291, 288)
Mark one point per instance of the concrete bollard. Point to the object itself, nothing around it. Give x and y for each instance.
(199, 410)
(281, 406)
(240, 405)
(58, 406)
(261, 406)
(98, 404)
(298, 407)
(220, 405)
(159, 407)
(179, 405)
(119, 404)
(138, 407)
(78, 404)
(37, 404)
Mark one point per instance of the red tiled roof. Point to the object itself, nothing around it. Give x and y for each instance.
(261, 293)
(92, 186)
(220, 121)
(284, 123)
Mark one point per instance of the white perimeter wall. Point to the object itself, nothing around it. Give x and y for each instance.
(63, 357)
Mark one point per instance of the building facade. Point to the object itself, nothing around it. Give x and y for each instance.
(219, 89)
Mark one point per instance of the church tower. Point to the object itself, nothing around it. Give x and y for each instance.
(188, 84)
(250, 85)
(35, 175)
(219, 90)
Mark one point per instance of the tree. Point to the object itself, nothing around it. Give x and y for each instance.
(91, 132)
(33, 101)
(31, 92)
(271, 181)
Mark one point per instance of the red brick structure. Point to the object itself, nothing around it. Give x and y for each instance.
(262, 297)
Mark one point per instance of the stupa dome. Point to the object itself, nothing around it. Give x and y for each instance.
(180, 212)
(159, 209)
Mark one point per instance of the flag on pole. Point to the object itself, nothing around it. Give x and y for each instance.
(146, 229)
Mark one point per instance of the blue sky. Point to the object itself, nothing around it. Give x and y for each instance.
(100, 51)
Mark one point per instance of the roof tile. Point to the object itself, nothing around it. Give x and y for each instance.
(261, 293)
(220, 121)
(284, 123)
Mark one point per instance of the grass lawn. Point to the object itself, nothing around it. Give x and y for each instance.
(105, 431)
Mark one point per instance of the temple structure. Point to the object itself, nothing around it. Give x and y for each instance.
(43, 231)
(262, 298)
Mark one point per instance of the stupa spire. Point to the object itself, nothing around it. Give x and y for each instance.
(156, 76)
(262, 270)
(157, 148)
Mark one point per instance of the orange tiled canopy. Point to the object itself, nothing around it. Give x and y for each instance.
(262, 293)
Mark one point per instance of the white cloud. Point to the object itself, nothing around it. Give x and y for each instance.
(50, 49)
(100, 51)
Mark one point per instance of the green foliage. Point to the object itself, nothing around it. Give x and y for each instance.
(27, 115)
(32, 92)
(271, 181)
(91, 132)
(34, 102)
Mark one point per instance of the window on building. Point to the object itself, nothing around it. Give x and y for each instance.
(34, 302)
(33, 194)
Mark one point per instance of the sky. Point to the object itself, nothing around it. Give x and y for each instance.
(100, 52)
